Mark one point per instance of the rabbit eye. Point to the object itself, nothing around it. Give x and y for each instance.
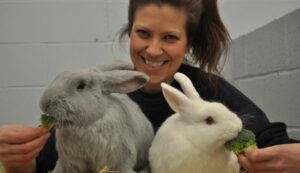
(81, 85)
(209, 120)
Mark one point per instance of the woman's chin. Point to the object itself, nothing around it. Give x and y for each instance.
(153, 86)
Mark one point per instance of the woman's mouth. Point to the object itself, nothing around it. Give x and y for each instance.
(154, 64)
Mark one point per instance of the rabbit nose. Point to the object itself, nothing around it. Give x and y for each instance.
(239, 130)
(46, 106)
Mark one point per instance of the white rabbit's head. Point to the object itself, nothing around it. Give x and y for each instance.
(80, 97)
(202, 123)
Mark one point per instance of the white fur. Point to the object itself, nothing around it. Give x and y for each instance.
(185, 143)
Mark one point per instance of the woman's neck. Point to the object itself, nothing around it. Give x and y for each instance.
(151, 88)
(155, 87)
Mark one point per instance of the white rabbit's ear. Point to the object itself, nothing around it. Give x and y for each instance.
(116, 65)
(176, 99)
(187, 86)
(122, 81)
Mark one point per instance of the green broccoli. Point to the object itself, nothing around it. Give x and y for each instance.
(245, 138)
(48, 121)
(2, 170)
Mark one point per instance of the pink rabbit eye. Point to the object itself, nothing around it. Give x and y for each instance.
(209, 120)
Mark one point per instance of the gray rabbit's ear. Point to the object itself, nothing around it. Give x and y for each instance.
(123, 81)
(116, 65)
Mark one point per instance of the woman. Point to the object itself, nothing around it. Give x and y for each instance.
(162, 33)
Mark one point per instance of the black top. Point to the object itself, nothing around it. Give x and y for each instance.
(157, 110)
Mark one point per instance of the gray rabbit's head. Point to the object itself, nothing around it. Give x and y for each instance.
(81, 97)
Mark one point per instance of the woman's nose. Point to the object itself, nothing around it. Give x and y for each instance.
(154, 49)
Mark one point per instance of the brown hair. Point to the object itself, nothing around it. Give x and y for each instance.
(208, 38)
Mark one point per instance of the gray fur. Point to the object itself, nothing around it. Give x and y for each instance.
(99, 125)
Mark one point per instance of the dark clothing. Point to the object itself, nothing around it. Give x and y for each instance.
(48, 156)
(157, 110)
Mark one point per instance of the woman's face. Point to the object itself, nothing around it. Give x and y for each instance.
(158, 43)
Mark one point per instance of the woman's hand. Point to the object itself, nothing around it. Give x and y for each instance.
(20, 145)
(276, 159)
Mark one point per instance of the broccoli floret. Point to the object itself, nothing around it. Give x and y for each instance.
(245, 138)
(2, 170)
(48, 121)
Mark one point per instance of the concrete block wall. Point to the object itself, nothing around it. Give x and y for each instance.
(40, 38)
(265, 65)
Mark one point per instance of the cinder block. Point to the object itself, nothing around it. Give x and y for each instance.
(53, 21)
(61, 57)
(37, 64)
(244, 16)
(265, 49)
(20, 106)
(120, 50)
(237, 58)
(294, 133)
(293, 39)
(226, 71)
(117, 17)
(22, 65)
(276, 94)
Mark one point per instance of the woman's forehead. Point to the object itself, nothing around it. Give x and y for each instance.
(162, 15)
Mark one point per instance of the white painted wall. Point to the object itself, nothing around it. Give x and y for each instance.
(40, 38)
(265, 65)
(244, 16)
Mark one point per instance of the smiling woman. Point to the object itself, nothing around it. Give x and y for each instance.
(162, 34)
(158, 43)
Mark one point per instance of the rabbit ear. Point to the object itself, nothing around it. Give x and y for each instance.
(176, 99)
(123, 81)
(116, 65)
(187, 86)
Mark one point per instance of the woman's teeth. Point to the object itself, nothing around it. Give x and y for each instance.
(154, 64)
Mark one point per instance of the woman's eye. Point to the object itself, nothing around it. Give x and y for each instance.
(170, 38)
(142, 33)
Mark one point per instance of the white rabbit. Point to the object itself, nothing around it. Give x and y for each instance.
(99, 125)
(192, 140)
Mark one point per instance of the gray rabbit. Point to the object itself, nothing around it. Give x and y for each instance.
(99, 125)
